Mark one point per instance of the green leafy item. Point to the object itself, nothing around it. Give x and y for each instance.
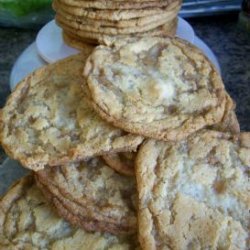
(21, 8)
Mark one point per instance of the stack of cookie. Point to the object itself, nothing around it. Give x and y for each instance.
(134, 145)
(93, 21)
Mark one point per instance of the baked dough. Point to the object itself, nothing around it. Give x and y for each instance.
(194, 194)
(158, 87)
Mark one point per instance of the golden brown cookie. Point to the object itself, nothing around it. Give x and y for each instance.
(103, 23)
(74, 42)
(159, 87)
(27, 221)
(115, 14)
(117, 4)
(95, 196)
(194, 194)
(123, 163)
(168, 29)
(47, 121)
(82, 26)
(117, 27)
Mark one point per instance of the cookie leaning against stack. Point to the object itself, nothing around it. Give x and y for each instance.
(163, 88)
(110, 19)
(48, 115)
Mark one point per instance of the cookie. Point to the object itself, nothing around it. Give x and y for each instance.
(169, 28)
(74, 42)
(85, 23)
(27, 221)
(123, 163)
(159, 87)
(95, 196)
(117, 4)
(46, 120)
(194, 194)
(82, 25)
(114, 14)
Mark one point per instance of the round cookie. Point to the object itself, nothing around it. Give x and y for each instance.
(100, 198)
(82, 26)
(194, 194)
(117, 4)
(113, 15)
(123, 163)
(46, 120)
(104, 24)
(168, 29)
(159, 87)
(27, 221)
(75, 42)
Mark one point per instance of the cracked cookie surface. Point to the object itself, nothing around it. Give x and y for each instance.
(97, 198)
(163, 88)
(47, 121)
(27, 221)
(194, 194)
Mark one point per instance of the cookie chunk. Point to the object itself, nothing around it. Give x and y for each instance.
(95, 196)
(163, 88)
(47, 121)
(27, 221)
(194, 194)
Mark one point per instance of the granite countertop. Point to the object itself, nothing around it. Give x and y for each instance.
(230, 44)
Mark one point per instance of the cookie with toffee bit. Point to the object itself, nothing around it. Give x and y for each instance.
(95, 196)
(27, 221)
(194, 194)
(46, 120)
(158, 87)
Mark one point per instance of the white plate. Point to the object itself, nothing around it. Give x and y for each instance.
(29, 60)
(26, 63)
(51, 47)
(50, 44)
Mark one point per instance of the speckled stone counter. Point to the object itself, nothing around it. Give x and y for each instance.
(231, 46)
